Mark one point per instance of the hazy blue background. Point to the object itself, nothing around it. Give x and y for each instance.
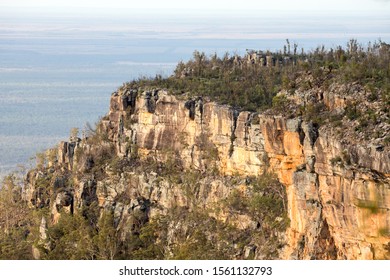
(58, 69)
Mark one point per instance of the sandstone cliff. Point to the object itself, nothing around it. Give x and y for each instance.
(338, 208)
(338, 190)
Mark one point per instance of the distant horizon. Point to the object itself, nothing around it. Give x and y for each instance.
(365, 20)
(325, 30)
(205, 6)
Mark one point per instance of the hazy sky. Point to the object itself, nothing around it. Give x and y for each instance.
(220, 19)
(217, 6)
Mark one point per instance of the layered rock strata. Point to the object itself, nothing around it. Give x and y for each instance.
(338, 193)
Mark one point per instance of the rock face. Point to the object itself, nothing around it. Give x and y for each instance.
(338, 193)
(234, 138)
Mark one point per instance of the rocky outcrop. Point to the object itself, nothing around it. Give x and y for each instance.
(234, 138)
(338, 191)
(338, 194)
(43, 240)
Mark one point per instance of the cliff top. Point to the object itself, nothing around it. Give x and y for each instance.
(344, 89)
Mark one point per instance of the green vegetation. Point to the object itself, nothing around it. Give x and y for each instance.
(252, 86)
(345, 88)
(371, 205)
(336, 160)
(352, 112)
(266, 204)
(280, 102)
(15, 222)
(343, 160)
(384, 232)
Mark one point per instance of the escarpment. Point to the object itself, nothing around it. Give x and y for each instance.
(188, 159)
(267, 156)
(186, 127)
(338, 194)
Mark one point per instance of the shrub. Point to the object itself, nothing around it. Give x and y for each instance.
(336, 160)
(280, 102)
(371, 205)
(352, 112)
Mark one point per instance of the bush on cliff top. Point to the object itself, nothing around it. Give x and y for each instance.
(251, 85)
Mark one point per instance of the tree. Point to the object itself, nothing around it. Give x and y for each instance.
(41, 160)
(199, 59)
(71, 239)
(14, 221)
(74, 134)
(12, 209)
(107, 239)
